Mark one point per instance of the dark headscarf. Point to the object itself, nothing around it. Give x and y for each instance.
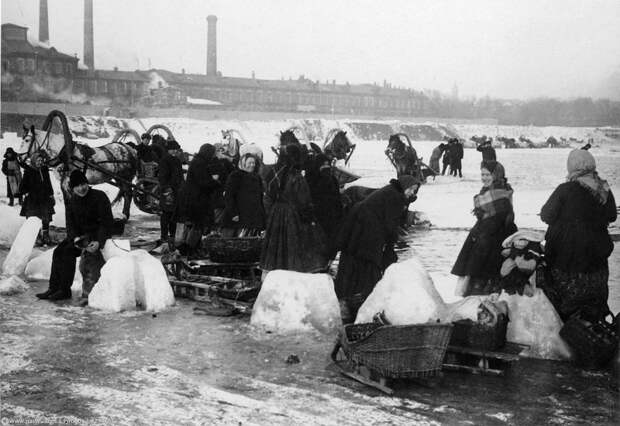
(207, 151)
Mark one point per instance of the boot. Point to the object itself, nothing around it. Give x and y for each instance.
(46, 294)
(60, 295)
(45, 237)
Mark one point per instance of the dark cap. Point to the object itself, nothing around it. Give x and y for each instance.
(145, 136)
(77, 178)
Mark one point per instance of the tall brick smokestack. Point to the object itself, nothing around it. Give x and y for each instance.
(211, 45)
(89, 48)
(44, 32)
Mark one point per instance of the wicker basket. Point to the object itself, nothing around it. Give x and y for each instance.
(474, 335)
(233, 250)
(397, 351)
(593, 343)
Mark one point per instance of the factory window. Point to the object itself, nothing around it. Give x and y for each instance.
(103, 86)
(58, 67)
(30, 65)
(5, 66)
(20, 65)
(68, 69)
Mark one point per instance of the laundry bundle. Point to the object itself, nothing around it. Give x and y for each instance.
(523, 252)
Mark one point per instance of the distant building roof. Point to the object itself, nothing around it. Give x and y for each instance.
(15, 43)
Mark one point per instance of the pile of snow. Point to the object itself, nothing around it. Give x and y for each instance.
(15, 262)
(40, 268)
(11, 222)
(128, 278)
(12, 285)
(534, 322)
(405, 294)
(294, 301)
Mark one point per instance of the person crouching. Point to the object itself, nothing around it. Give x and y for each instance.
(89, 225)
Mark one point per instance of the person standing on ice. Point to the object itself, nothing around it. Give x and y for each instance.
(366, 240)
(479, 261)
(293, 240)
(13, 173)
(435, 156)
(577, 241)
(170, 176)
(39, 195)
(243, 197)
(456, 155)
(89, 225)
(447, 159)
(487, 150)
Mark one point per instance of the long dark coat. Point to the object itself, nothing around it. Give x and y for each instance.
(197, 193)
(37, 187)
(488, 152)
(577, 237)
(10, 167)
(243, 196)
(480, 256)
(370, 227)
(328, 210)
(456, 154)
(292, 242)
(90, 215)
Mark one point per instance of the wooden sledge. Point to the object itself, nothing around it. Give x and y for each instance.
(481, 361)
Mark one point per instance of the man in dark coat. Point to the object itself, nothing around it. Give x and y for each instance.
(13, 173)
(170, 176)
(367, 237)
(487, 150)
(148, 158)
(456, 155)
(325, 193)
(89, 225)
(447, 160)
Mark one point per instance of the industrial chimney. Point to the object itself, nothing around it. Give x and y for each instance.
(44, 33)
(211, 46)
(89, 49)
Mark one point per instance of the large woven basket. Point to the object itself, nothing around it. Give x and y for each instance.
(233, 250)
(594, 344)
(397, 351)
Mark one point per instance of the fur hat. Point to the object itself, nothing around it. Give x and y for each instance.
(77, 178)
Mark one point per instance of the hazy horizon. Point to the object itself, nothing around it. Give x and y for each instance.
(501, 49)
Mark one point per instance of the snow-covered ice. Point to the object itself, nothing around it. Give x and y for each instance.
(153, 291)
(15, 262)
(11, 222)
(293, 301)
(405, 294)
(116, 289)
(12, 285)
(115, 247)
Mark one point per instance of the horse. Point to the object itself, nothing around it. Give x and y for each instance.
(115, 162)
(403, 157)
(337, 146)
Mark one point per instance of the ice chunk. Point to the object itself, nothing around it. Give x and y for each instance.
(293, 301)
(466, 308)
(115, 290)
(40, 268)
(16, 260)
(11, 223)
(534, 322)
(153, 290)
(115, 248)
(405, 293)
(12, 285)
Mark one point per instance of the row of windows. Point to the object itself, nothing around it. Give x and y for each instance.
(112, 87)
(27, 65)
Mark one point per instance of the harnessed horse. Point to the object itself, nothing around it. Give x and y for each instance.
(337, 145)
(404, 157)
(115, 162)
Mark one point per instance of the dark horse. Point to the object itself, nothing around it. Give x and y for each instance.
(404, 157)
(337, 146)
(114, 163)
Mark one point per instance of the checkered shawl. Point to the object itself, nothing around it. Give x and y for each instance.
(493, 201)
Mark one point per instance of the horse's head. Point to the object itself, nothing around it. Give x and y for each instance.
(396, 145)
(340, 146)
(288, 137)
(229, 147)
(39, 141)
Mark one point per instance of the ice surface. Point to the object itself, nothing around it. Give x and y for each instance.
(534, 322)
(116, 290)
(11, 223)
(12, 285)
(153, 291)
(405, 293)
(115, 248)
(294, 301)
(22, 246)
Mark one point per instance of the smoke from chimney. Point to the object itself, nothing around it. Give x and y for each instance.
(89, 48)
(44, 33)
(211, 45)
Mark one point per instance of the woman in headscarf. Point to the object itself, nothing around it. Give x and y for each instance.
(366, 241)
(293, 240)
(37, 188)
(480, 259)
(577, 242)
(244, 213)
(13, 173)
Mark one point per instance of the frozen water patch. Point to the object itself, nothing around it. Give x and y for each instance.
(14, 351)
(29, 416)
(504, 417)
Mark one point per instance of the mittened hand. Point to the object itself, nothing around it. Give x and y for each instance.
(92, 247)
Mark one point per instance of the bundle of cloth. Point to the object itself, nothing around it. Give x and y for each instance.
(523, 253)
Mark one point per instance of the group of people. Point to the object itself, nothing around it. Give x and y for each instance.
(577, 245)
(452, 153)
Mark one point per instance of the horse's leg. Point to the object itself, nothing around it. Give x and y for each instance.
(126, 194)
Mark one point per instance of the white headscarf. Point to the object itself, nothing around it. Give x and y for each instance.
(581, 168)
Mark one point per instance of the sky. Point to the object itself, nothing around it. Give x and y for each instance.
(516, 49)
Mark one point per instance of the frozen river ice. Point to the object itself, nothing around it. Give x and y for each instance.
(70, 364)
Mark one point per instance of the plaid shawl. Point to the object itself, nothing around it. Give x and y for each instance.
(492, 201)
